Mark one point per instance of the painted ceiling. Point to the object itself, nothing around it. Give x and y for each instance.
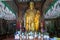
(6, 13)
(53, 11)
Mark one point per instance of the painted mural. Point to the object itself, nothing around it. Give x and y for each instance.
(54, 11)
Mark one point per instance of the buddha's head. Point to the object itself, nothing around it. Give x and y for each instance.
(31, 5)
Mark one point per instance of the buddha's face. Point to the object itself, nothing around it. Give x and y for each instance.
(31, 5)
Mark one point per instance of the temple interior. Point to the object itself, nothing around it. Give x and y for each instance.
(30, 20)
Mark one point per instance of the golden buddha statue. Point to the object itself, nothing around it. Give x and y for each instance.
(31, 18)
